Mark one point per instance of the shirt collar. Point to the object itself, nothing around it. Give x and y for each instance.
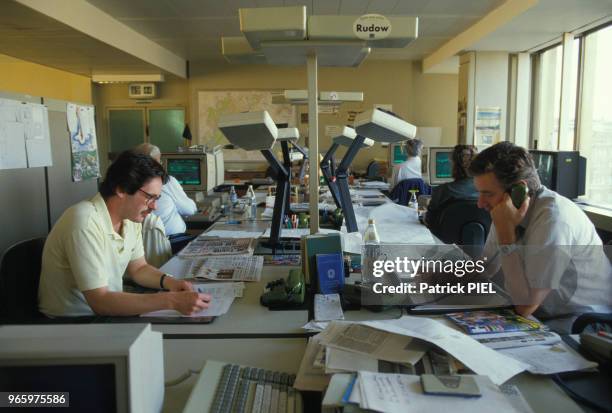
(102, 210)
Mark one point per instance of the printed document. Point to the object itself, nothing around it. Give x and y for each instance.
(222, 297)
(399, 393)
(553, 359)
(372, 342)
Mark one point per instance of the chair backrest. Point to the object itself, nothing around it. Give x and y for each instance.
(156, 245)
(461, 222)
(401, 192)
(19, 278)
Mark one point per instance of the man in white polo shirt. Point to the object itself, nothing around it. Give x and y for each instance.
(551, 257)
(96, 241)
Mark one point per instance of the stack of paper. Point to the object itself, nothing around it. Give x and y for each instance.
(368, 345)
(392, 393)
(222, 297)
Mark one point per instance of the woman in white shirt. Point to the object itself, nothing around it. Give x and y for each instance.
(411, 167)
(174, 203)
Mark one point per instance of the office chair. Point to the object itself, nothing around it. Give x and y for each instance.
(461, 222)
(19, 277)
(400, 194)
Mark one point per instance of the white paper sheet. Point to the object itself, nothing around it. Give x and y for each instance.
(477, 357)
(393, 393)
(553, 359)
(327, 307)
(12, 146)
(222, 297)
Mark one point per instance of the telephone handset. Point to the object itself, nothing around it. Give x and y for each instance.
(518, 194)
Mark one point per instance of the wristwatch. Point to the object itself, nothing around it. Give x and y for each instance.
(507, 249)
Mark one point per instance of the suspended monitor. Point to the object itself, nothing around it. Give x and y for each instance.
(194, 171)
(440, 165)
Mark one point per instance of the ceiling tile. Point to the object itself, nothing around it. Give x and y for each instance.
(354, 7)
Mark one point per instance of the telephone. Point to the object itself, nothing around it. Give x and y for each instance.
(518, 194)
(285, 293)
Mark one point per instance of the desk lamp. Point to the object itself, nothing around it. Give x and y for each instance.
(285, 137)
(338, 184)
(257, 131)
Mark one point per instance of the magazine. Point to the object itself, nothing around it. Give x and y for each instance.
(482, 322)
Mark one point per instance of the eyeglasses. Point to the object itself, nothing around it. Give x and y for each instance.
(150, 197)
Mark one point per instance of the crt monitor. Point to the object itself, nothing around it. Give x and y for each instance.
(103, 367)
(398, 153)
(219, 166)
(195, 171)
(440, 165)
(562, 171)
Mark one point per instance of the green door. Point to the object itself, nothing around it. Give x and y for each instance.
(166, 128)
(126, 127)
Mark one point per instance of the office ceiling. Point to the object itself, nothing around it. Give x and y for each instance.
(191, 29)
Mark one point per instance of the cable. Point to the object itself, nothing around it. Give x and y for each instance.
(182, 378)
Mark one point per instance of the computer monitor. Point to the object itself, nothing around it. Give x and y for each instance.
(104, 367)
(562, 171)
(440, 165)
(195, 171)
(398, 153)
(219, 166)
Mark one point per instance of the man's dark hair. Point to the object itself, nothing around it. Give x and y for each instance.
(130, 171)
(509, 163)
(462, 158)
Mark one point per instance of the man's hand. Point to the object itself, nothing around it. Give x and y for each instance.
(173, 284)
(506, 217)
(189, 302)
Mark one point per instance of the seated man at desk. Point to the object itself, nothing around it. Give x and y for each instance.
(462, 187)
(96, 241)
(173, 205)
(549, 252)
(411, 167)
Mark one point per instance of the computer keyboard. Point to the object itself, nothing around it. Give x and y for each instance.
(224, 388)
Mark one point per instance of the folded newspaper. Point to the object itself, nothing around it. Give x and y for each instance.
(228, 268)
(200, 247)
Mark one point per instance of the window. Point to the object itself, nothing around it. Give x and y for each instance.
(585, 122)
(595, 132)
(548, 99)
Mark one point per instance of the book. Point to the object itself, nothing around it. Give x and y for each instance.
(330, 271)
(317, 244)
(482, 322)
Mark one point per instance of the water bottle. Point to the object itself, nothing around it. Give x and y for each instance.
(233, 196)
(371, 252)
(413, 203)
(252, 203)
